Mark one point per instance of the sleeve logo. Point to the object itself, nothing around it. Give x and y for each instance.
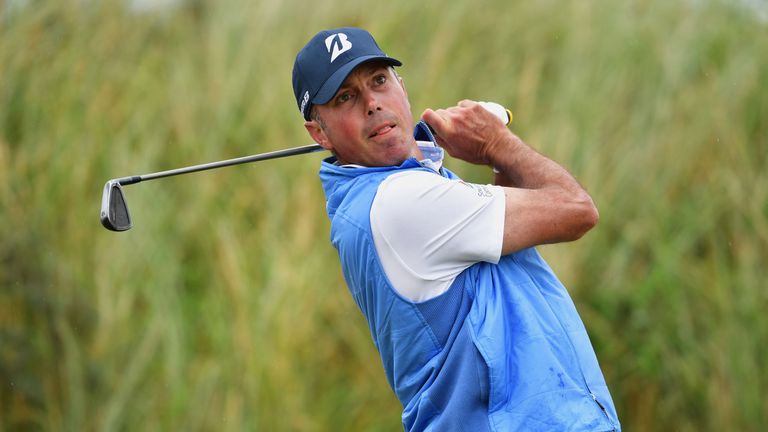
(482, 191)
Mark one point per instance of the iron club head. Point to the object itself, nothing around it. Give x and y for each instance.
(114, 210)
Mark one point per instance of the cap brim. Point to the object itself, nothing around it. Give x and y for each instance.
(332, 84)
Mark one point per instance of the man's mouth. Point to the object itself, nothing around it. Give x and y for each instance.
(382, 130)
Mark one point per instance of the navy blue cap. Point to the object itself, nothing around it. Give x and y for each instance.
(326, 61)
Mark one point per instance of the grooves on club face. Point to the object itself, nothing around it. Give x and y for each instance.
(114, 210)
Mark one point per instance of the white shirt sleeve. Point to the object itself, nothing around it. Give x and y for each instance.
(427, 229)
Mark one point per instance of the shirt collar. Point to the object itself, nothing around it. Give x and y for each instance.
(433, 157)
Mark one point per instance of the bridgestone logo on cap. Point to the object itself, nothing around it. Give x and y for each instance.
(339, 46)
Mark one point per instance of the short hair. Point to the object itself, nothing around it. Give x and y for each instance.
(314, 115)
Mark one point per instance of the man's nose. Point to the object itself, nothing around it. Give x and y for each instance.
(371, 103)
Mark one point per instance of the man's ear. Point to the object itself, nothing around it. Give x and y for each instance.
(317, 134)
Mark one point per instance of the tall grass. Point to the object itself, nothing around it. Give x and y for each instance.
(224, 308)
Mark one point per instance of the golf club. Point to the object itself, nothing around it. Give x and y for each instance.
(114, 210)
(115, 215)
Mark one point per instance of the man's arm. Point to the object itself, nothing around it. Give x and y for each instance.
(544, 203)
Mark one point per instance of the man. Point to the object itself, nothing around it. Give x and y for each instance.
(474, 330)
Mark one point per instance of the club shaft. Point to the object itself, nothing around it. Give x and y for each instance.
(220, 164)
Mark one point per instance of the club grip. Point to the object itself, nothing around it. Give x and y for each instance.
(499, 111)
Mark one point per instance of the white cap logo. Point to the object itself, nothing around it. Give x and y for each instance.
(339, 43)
(304, 101)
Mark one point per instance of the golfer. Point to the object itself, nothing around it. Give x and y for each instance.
(475, 331)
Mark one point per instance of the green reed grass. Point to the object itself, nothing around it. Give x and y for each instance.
(224, 308)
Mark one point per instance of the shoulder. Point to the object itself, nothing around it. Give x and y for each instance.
(418, 195)
(418, 183)
(427, 229)
(403, 185)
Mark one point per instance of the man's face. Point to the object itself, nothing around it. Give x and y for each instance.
(368, 121)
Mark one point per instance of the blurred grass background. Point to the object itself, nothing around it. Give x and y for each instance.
(224, 307)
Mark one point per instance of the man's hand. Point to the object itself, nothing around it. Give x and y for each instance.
(544, 203)
(468, 131)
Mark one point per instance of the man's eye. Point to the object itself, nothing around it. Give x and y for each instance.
(343, 98)
(381, 79)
